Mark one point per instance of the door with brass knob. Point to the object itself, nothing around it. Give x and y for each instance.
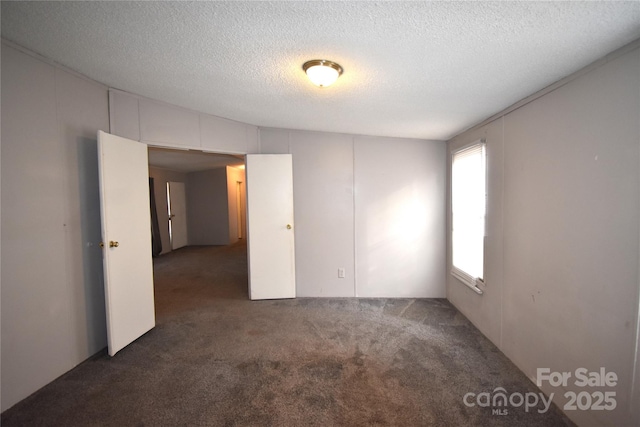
(270, 220)
(128, 267)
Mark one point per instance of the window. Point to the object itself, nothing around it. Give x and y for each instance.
(468, 208)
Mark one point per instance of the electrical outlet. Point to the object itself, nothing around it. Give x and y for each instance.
(341, 273)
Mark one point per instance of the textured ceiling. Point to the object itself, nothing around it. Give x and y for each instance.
(411, 69)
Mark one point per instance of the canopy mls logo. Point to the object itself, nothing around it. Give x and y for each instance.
(598, 400)
(499, 401)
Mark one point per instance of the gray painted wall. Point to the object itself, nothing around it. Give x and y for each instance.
(208, 207)
(382, 221)
(563, 234)
(53, 314)
(161, 177)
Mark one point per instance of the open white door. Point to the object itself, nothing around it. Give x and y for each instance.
(178, 214)
(126, 237)
(270, 232)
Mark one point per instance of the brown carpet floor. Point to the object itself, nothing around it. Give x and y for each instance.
(217, 359)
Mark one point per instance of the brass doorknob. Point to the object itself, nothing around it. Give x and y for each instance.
(288, 226)
(113, 244)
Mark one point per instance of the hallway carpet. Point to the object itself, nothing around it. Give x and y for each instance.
(217, 359)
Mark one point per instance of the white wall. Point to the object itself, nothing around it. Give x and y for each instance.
(323, 208)
(52, 293)
(160, 124)
(563, 234)
(208, 207)
(400, 217)
(160, 179)
(373, 206)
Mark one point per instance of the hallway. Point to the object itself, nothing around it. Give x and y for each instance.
(197, 277)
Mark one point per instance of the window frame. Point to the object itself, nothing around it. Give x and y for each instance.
(461, 275)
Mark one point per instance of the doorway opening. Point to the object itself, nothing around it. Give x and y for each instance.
(201, 213)
(177, 212)
(169, 214)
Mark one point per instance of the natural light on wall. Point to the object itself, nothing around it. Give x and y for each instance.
(468, 208)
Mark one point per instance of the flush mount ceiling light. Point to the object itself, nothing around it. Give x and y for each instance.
(322, 72)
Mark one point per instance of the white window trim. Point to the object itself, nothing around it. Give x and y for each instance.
(460, 275)
(467, 280)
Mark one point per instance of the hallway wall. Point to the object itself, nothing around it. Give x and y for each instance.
(207, 207)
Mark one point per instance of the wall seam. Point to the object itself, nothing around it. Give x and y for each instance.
(501, 344)
(200, 131)
(635, 375)
(110, 110)
(259, 145)
(140, 126)
(65, 193)
(353, 197)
